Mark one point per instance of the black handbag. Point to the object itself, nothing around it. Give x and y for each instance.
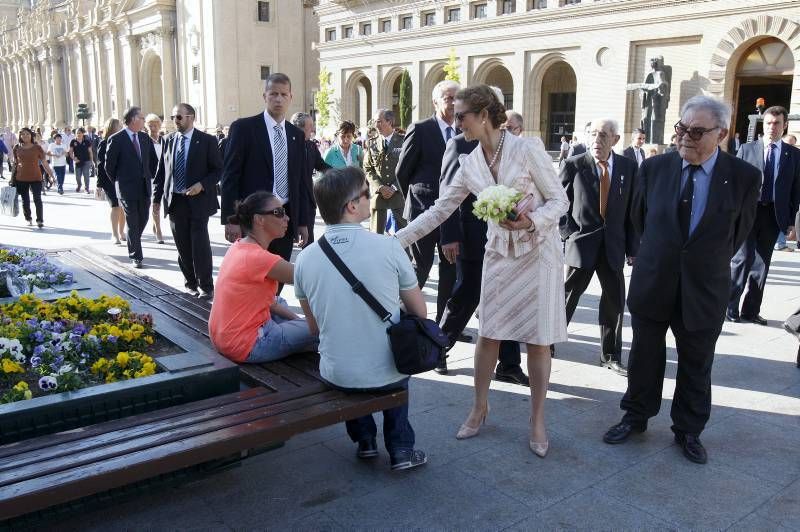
(417, 343)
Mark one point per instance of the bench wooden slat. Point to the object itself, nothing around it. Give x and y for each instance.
(99, 452)
(308, 363)
(71, 484)
(101, 438)
(189, 303)
(118, 283)
(264, 376)
(149, 285)
(188, 319)
(284, 370)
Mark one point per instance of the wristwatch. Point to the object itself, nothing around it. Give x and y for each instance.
(532, 228)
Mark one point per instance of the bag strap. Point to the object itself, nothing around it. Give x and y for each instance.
(354, 283)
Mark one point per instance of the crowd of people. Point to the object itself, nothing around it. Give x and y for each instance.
(697, 223)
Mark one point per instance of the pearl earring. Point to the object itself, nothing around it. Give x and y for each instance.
(484, 122)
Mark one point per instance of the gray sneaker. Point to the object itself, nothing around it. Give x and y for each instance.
(408, 459)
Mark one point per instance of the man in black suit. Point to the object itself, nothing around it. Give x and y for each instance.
(418, 171)
(186, 179)
(734, 143)
(314, 162)
(635, 152)
(599, 233)
(131, 164)
(780, 196)
(693, 209)
(265, 152)
(471, 234)
(578, 148)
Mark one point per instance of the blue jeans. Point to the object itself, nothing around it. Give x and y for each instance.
(279, 338)
(781, 243)
(59, 170)
(398, 435)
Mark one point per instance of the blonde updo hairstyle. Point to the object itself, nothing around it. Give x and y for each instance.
(481, 97)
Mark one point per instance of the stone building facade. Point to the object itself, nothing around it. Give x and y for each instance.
(562, 62)
(111, 54)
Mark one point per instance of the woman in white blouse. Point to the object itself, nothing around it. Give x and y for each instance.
(153, 123)
(522, 292)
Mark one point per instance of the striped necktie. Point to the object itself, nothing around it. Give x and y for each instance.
(179, 172)
(281, 163)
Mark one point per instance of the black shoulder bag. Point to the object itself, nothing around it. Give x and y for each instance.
(417, 343)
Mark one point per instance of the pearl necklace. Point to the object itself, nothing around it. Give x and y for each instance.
(499, 148)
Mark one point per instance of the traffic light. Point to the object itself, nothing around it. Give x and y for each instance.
(83, 113)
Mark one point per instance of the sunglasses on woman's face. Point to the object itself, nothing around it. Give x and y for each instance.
(279, 212)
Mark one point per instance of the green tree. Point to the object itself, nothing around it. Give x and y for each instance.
(83, 113)
(451, 68)
(323, 98)
(405, 99)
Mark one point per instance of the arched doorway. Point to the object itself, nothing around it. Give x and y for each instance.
(434, 76)
(152, 88)
(500, 77)
(765, 70)
(358, 99)
(558, 90)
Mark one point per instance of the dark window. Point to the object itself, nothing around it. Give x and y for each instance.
(429, 19)
(479, 11)
(509, 6)
(366, 28)
(540, 4)
(330, 35)
(347, 32)
(454, 15)
(196, 74)
(386, 26)
(406, 22)
(265, 72)
(263, 11)
(571, 2)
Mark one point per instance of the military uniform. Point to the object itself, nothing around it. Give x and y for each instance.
(380, 161)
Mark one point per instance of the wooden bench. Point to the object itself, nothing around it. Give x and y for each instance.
(288, 397)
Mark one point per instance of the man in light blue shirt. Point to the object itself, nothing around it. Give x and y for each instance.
(355, 354)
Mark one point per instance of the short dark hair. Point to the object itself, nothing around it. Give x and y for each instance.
(776, 110)
(57, 136)
(249, 207)
(346, 127)
(639, 131)
(334, 189)
(188, 108)
(130, 114)
(80, 130)
(278, 77)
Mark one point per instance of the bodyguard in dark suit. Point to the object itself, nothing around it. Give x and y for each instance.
(131, 164)
(265, 152)
(599, 233)
(693, 208)
(186, 180)
(313, 162)
(780, 196)
(471, 234)
(634, 152)
(418, 171)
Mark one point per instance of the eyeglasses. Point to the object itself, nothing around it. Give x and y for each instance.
(460, 116)
(280, 212)
(364, 194)
(178, 117)
(695, 133)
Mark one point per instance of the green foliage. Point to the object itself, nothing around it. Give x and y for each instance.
(405, 99)
(323, 98)
(451, 68)
(83, 113)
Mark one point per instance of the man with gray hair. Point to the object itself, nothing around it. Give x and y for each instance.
(313, 162)
(381, 153)
(418, 171)
(693, 209)
(598, 232)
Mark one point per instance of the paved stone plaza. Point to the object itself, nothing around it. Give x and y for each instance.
(494, 482)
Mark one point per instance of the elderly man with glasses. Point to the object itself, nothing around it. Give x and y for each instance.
(693, 208)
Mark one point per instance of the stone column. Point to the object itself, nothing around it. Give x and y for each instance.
(19, 108)
(119, 80)
(168, 70)
(27, 91)
(57, 77)
(129, 53)
(4, 112)
(45, 68)
(101, 75)
(70, 81)
(90, 84)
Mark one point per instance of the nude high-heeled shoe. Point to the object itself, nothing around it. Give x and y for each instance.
(539, 448)
(465, 431)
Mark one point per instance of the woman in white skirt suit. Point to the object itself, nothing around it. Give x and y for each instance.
(522, 293)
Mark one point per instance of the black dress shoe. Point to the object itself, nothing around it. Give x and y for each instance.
(757, 319)
(441, 369)
(552, 351)
(616, 366)
(367, 449)
(512, 374)
(464, 338)
(208, 295)
(620, 432)
(692, 448)
(137, 264)
(732, 315)
(192, 291)
(408, 459)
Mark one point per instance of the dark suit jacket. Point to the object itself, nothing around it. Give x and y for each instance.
(131, 176)
(203, 165)
(700, 266)
(313, 162)
(102, 178)
(248, 167)
(583, 228)
(787, 182)
(630, 154)
(470, 231)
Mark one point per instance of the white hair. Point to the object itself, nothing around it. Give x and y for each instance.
(444, 85)
(612, 124)
(152, 117)
(720, 110)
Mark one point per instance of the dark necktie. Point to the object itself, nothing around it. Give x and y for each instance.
(769, 175)
(448, 133)
(179, 173)
(281, 177)
(685, 203)
(605, 187)
(136, 146)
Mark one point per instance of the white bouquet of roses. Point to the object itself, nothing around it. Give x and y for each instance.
(495, 203)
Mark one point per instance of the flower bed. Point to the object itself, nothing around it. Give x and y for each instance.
(69, 344)
(26, 270)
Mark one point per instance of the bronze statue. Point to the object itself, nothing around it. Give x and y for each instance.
(655, 99)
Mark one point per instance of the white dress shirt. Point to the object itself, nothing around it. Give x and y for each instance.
(443, 128)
